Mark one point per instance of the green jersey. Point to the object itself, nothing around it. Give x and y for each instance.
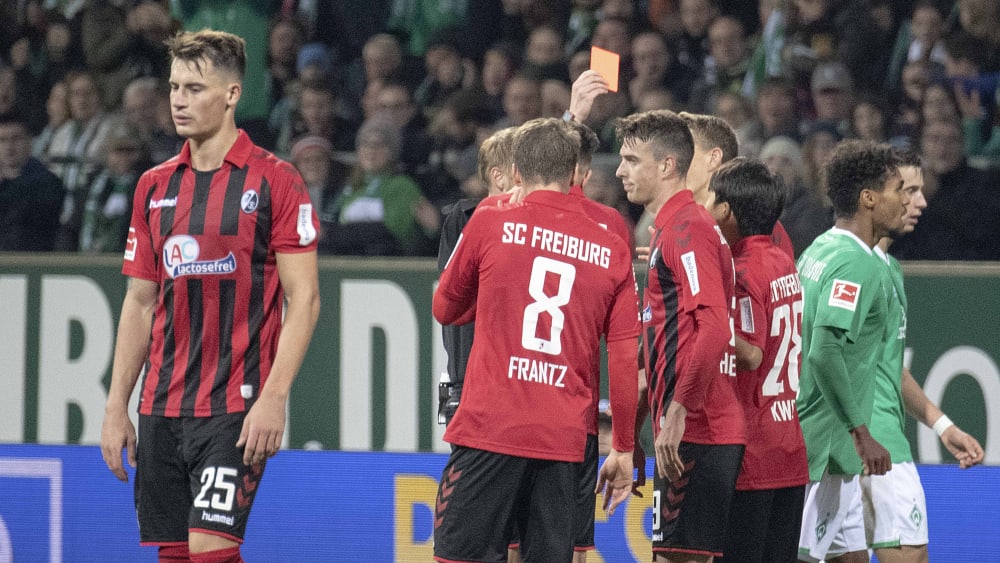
(888, 414)
(842, 289)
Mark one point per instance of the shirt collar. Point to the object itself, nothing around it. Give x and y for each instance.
(672, 206)
(238, 154)
(753, 241)
(857, 239)
(557, 200)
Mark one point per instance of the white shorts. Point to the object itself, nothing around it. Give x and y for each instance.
(832, 520)
(895, 507)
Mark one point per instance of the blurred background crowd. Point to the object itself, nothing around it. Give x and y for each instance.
(382, 104)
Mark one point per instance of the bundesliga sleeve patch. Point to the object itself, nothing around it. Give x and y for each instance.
(746, 315)
(130, 244)
(304, 226)
(845, 294)
(691, 269)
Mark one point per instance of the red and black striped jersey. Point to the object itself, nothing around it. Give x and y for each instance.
(209, 240)
(690, 266)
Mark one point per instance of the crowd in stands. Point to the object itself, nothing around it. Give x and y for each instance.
(382, 104)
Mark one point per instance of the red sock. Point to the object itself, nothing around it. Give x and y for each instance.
(228, 555)
(174, 553)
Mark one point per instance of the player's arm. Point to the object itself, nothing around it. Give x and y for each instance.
(825, 359)
(454, 301)
(264, 425)
(964, 447)
(131, 349)
(616, 472)
(641, 413)
(748, 356)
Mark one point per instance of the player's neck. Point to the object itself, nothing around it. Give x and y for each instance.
(553, 187)
(209, 153)
(667, 190)
(884, 243)
(861, 227)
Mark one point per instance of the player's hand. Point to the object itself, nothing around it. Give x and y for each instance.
(117, 432)
(875, 459)
(964, 447)
(614, 480)
(639, 463)
(642, 252)
(262, 430)
(585, 90)
(668, 441)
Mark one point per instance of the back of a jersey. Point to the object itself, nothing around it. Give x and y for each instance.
(550, 283)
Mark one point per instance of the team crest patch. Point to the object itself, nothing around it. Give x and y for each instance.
(647, 314)
(845, 294)
(182, 257)
(249, 201)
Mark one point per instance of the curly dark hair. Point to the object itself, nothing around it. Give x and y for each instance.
(855, 166)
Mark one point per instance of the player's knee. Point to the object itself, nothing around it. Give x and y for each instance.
(226, 555)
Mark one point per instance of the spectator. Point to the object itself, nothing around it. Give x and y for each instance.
(447, 72)
(614, 35)
(868, 119)
(555, 95)
(8, 90)
(955, 192)
(324, 176)
(108, 206)
(379, 212)
(57, 110)
(691, 47)
(906, 113)
(381, 60)
(583, 20)
(656, 98)
(918, 40)
(522, 101)
(75, 152)
(456, 131)
(833, 95)
(142, 101)
(543, 57)
(804, 216)
(726, 65)
(979, 18)
(654, 68)
(499, 65)
(820, 140)
(777, 114)
(315, 113)
(31, 197)
(394, 102)
(284, 43)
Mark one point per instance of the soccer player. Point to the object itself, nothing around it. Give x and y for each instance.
(844, 328)
(690, 366)
(222, 237)
(895, 508)
(746, 199)
(715, 143)
(546, 283)
(494, 168)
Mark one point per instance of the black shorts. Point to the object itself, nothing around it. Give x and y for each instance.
(484, 496)
(586, 500)
(691, 515)
(190, 476)
(764, 526)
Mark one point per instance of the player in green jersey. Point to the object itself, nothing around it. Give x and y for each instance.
(844, 329)
(895, 509)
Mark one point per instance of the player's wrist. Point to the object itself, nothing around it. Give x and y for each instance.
(942, 424)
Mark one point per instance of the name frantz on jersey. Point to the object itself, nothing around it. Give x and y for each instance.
(526, 369)
(557, 243)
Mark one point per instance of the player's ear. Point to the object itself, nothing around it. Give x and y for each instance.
(233, 94)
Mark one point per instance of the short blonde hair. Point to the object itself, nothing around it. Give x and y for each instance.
(496, 151)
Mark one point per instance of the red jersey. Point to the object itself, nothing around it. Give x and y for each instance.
(769, 301)
(780, 238)
(613, 221)
(546, 283)
(209, 240)
(690, 266)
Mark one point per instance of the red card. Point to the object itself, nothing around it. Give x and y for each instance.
(605, 63)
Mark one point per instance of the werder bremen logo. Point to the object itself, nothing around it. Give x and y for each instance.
(916, 516)
(821, 530)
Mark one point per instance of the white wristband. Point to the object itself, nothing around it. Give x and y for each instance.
(943, 423)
